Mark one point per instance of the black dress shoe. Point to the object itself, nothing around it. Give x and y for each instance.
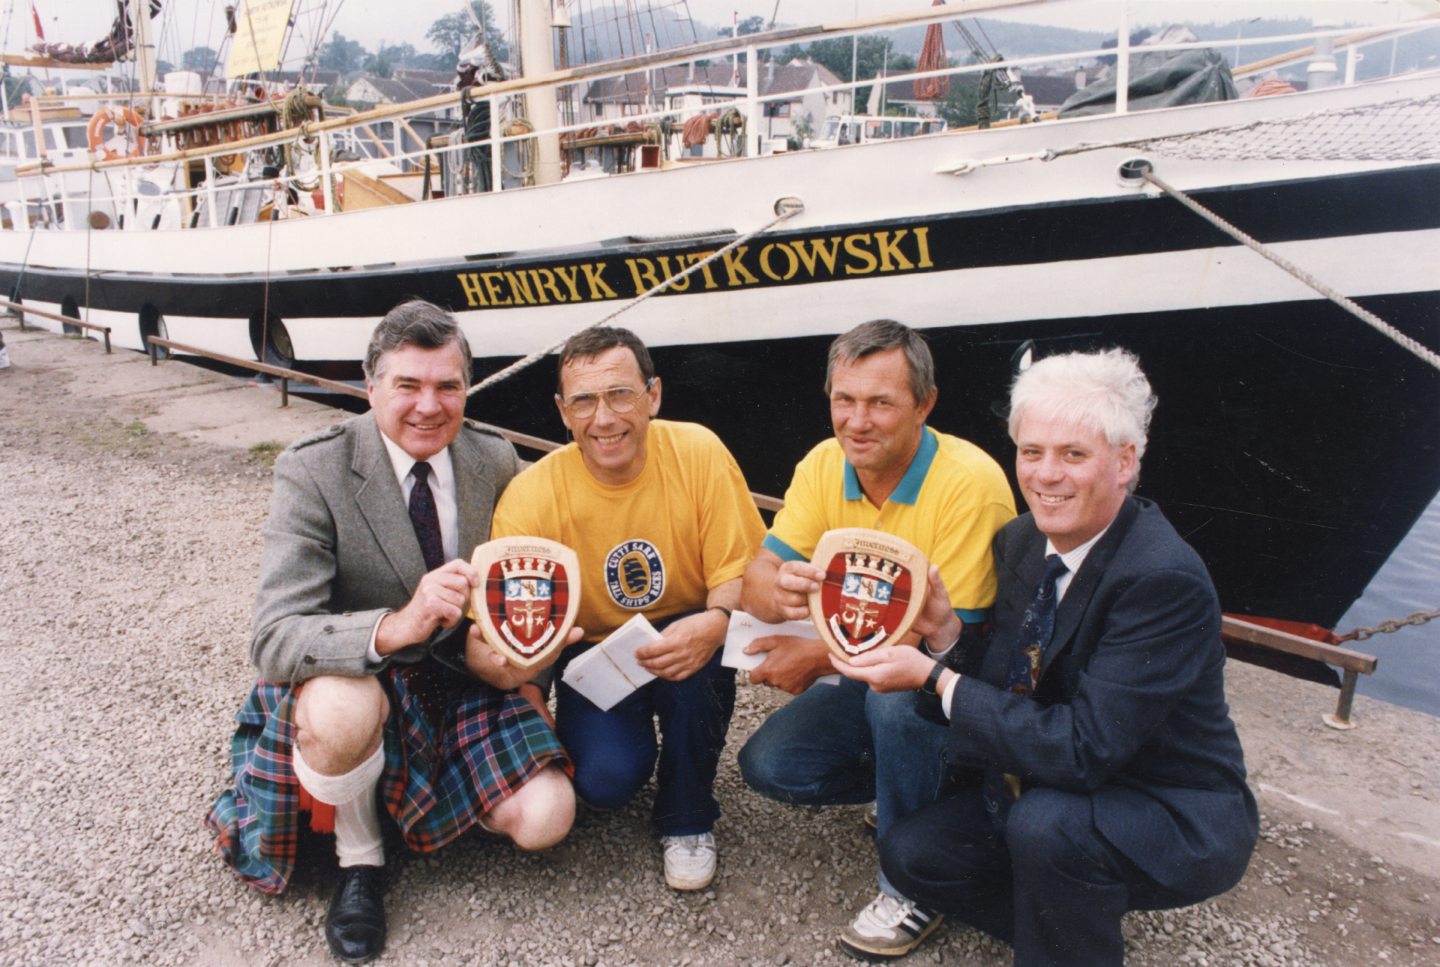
(355, 925)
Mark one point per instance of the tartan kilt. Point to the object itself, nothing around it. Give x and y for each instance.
(439, 778)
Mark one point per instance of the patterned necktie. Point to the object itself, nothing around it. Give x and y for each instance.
(424, 518)
(1036, 629)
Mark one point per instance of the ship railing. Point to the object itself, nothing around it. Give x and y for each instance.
(570, 83)
(19, 311)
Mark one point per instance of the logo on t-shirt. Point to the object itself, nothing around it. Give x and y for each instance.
(634, 574)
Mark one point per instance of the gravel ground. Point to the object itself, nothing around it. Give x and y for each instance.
(130, 508)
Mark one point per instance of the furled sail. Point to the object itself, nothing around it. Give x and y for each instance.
(114, 46)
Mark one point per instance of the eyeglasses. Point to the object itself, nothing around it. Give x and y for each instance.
(619, 399)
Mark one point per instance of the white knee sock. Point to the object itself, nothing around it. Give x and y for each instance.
(357, 817)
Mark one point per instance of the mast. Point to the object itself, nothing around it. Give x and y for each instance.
(537, 58)
(143, 40)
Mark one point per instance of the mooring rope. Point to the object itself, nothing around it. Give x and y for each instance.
(786, 209)
(1349, 305)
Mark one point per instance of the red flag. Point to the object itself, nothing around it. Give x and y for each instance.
(932, 58)
(39, 30)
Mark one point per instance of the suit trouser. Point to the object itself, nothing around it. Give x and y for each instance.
(1051, 884)
(616, 752)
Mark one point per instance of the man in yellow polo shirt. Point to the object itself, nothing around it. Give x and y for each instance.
(664, 525)
(886, 470)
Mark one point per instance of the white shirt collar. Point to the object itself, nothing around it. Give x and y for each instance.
(1073, 558)
(442, 471)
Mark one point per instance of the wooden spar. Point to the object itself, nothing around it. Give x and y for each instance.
(1348, 40)
(49, 63)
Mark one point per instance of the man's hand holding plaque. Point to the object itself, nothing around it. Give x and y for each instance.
(874, 588)
(524, 608)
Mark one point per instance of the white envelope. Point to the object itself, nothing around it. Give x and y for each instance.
(745, 628)
(607, 673)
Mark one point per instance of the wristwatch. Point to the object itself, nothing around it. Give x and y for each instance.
(933, 679)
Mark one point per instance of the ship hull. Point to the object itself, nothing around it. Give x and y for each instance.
(1293, 445)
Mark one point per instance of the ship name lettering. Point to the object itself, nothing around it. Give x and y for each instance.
(855, 248)
(545, 283)
(570, 275)
(736, 268)
(520, 290)
(599, 288)
(817, 252)
(890, 248)
(769, 269)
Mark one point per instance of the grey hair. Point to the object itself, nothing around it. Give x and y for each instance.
(1105, 391)
(877, 336)
(416, 323)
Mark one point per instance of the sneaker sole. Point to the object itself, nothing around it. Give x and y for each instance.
(688, 886)
(859, 949)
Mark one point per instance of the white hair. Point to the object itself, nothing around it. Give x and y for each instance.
(1104, 391)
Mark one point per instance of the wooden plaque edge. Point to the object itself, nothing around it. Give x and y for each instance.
(485, 555)
(919, 591)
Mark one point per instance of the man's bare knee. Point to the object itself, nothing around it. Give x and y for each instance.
(339, 722)
(540, 812)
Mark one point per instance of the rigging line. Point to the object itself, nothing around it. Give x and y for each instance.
(787, 209)
(1349, 305)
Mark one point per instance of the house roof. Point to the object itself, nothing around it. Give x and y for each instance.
(394, 91)
(775, 78)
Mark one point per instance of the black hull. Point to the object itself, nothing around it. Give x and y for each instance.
(1293, 446)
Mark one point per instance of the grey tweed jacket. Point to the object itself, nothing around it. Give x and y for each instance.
(339, 549)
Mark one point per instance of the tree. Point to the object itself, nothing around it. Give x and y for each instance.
(340, 54)
(199, 59)
(455, 33)
(872, 55)
(958, 106)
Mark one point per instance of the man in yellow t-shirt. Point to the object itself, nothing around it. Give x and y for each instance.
(886, 470)
(664, 526)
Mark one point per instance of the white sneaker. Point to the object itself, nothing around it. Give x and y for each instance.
(888, 927)
(689, 861)
(4, 358)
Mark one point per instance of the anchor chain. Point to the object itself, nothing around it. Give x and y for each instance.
(1391, 625)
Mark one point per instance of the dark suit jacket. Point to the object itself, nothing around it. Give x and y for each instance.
(340, 550)
(1130, 706)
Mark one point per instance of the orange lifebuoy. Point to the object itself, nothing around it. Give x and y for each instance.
(115, 117)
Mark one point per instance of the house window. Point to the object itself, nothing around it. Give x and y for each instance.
(780, 109)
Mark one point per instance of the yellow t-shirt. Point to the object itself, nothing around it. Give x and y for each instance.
(657, 544)
(950, 503)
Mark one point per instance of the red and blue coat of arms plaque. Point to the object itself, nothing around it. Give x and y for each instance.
(873, 590)
(528, 596)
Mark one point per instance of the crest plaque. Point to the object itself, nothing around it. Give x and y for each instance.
(873, 590)
(528, 596)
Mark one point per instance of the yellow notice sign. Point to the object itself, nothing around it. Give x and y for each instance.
(259, 34)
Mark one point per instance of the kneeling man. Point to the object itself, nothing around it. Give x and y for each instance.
(1096, 769)
(364, 580)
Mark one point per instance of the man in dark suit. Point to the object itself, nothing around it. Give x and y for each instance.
(371, 690)
(1095, 768)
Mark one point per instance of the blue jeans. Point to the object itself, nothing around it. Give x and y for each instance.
(615, 752)
(844, 744)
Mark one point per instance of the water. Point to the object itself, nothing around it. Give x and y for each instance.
(1409, 670)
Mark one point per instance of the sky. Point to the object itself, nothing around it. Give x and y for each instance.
(193, 23)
